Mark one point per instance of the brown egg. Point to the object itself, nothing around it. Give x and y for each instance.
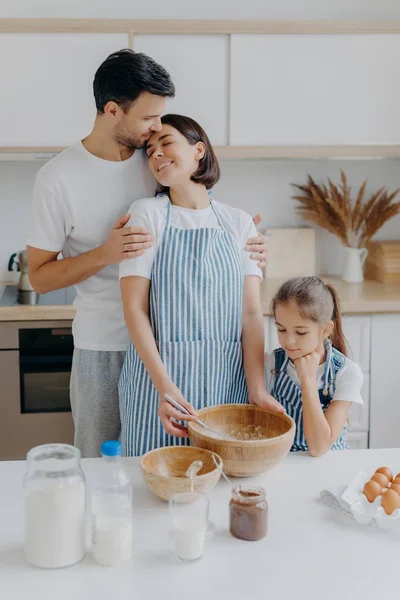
(386, 471)
(397, 480)
(395, 487)
(390, 502)
(372, 490)
(381, 479)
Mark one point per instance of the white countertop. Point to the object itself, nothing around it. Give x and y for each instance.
(311, 552)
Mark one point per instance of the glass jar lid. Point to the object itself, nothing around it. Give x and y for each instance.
(53, 457)
(249, 495)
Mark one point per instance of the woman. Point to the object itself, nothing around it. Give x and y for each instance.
(191, 302)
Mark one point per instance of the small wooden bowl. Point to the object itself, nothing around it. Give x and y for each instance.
(244, 458)
(164, 469)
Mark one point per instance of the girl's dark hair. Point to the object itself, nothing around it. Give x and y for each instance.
(317, 301)
(208, 172)
(126, 74)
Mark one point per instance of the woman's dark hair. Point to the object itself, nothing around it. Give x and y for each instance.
(317, 301)
(126, 74)
(208, 172)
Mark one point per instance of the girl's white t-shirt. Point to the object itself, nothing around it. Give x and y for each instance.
(151, 213)
(349, 379)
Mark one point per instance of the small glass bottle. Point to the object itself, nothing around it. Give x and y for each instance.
(54, 502)
(248, 510)
(111, 509)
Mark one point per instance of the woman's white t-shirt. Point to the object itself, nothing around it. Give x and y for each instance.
(151, 213)
(348, 384)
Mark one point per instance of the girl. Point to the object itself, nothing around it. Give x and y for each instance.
(191, 302)
(310, 374)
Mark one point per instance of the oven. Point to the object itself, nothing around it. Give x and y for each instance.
(35, 369)
(45, 360)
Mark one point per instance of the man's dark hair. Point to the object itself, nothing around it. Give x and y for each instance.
(208, 171)
(126, 74)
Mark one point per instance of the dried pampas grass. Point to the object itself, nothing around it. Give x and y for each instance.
(353, 222)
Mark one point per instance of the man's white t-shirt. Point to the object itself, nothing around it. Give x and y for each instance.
(348, 384)
(152, 214)
(78, 197)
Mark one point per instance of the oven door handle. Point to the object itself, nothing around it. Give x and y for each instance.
(65, 331)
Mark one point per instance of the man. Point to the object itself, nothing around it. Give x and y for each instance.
(79, 199)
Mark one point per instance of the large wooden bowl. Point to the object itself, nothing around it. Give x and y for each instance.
(244, 458)
(164, 470)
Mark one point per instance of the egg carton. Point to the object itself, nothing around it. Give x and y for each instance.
(368, 513)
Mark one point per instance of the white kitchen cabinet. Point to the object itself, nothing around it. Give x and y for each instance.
(266, 333)
(357, 331)
(358, 440)
(46, 83)
(198, 65)
(385, 382)
(273, 341)
(314, 89)
(359, 416)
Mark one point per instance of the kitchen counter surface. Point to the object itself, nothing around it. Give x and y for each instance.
(37, 313)
(364, 298)
(51, 307)
(310, 552)
(356, 298)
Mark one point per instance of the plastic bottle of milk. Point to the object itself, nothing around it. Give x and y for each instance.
(111, 509)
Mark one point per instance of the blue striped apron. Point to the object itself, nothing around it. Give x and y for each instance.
(196, 297)
(289, 394)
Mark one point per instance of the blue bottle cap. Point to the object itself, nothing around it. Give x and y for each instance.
(111, 448)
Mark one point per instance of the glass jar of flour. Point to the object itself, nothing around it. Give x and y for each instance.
(54, 501)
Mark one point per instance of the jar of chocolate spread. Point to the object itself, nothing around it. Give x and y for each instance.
(248, 513)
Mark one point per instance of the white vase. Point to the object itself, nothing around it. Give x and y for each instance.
(353, 264)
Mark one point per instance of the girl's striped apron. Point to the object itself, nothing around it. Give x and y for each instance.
(289, 394)
(196, 297)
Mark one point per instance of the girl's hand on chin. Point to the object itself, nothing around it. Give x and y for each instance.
(306, 366)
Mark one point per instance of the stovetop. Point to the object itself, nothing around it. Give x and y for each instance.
(9, 296)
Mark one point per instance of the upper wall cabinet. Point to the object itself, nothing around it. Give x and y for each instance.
(198, 65)
(314, 89)
(46, 86)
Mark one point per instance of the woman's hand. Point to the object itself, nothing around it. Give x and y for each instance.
(170, 415)
(306, 367)
(264, 400)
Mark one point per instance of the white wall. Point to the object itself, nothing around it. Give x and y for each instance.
(16, 183)
(265, 187)
(204, 9)
(260, 187)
